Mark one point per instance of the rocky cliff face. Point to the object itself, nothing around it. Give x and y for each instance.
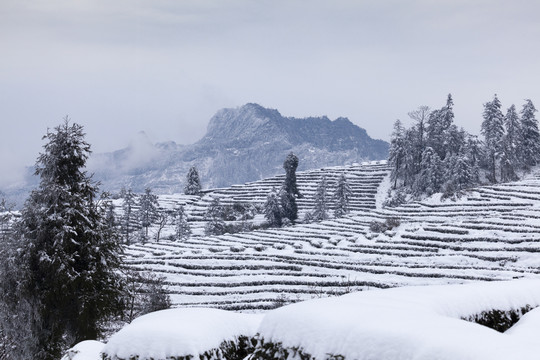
(242, 144)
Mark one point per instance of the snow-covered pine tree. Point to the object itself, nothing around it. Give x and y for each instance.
(511, 144)
(6, 217)
(432, 176)
(272, 209)
(493, 131)
(181, 225)
(455, 141)
(439, 122)
(290, 191)
(215, 225)
(148, 208)
(193, 183)
(129, 215)
(473, 152)
(396, 154)
(69, 254)
(342, 196)
(530, 137)
(320, 211)
(463, 175)
(411, 167)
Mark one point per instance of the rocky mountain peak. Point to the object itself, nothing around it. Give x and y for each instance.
(241, 123)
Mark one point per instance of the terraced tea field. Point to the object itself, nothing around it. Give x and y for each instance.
(492, 233)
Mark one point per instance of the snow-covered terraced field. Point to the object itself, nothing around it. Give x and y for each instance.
(492, 233)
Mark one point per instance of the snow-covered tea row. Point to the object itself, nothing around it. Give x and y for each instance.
(477, 237)
(497, 320)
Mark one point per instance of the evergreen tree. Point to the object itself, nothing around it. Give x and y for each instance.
(148, 208)
(69, 254)
(215, 225)
(439, 122)
(129, 215)
(473, 152)
(193, 183)
(272, 209)
(290, 191)
(493, 131)
(431, 177)
(463, 172)
(511, 144)
(182, 228)
(530, 137)
(6, 218)
(320, 212)
(342, 196)
(397, 153)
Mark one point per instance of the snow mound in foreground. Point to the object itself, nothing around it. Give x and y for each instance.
(179, 333)
(420, 323)
(85, 350)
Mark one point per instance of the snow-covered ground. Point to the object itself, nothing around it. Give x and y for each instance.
(408, 323)
(491, 233)
(179, 333)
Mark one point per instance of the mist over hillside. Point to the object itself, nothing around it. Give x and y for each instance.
(242, 144)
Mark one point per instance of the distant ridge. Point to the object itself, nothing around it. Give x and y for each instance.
(241, 144)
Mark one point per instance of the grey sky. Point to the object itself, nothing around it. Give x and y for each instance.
(166, 66)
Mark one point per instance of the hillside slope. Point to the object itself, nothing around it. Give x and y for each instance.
(491, 234)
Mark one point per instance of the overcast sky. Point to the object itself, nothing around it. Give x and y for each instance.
(166, 66)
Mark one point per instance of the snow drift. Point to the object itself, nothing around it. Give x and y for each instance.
(406, 323)
(180, 333)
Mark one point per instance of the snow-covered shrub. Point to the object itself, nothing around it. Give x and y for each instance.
(279, 246)
(144, 292)
(298, 245)
(308, 218)
(392, 222)
(381, 227)
(316, 243)
(237, 248)
(377, 226)
(407, 323)
(334, 240)
(500, 320)
(272, 351)
(396, 198)
(238, 211)
(259, 247)
(185, 334)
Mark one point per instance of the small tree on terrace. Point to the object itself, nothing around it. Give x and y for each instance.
(215, 225)
(272, 209)
(129, 215)
(193, 183)
(148, 209)
(342, 196)
(320, 212)
(290, 191)
(69, 255)
(182, 228)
